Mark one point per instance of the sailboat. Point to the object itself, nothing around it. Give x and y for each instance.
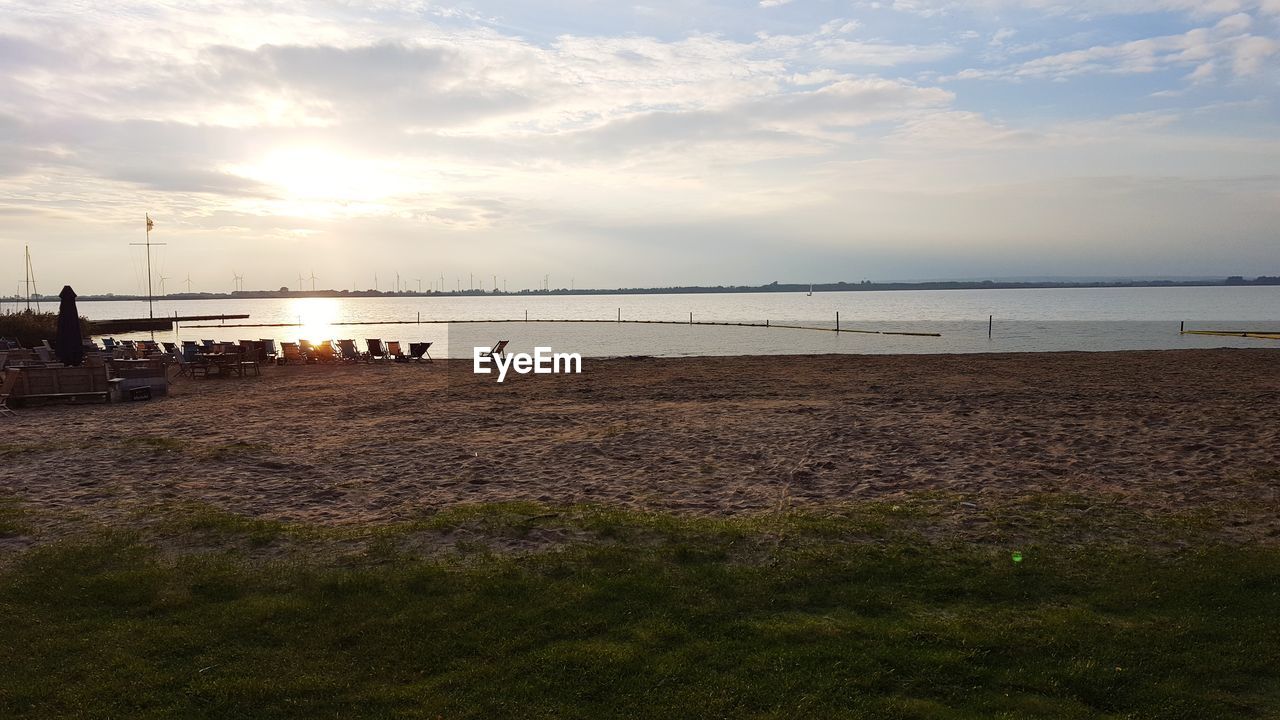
(810, 291)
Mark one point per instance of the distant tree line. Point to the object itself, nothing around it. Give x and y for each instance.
(864, 285)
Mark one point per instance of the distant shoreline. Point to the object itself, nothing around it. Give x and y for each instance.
(1235, 281)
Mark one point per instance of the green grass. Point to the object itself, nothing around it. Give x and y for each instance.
(850, 614)
(12, 518)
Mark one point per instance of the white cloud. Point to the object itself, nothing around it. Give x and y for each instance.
(1001, 35)
(1200, 47)
(1085, 8)
(421, 126)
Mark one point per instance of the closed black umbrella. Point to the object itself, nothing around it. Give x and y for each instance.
(68, 343)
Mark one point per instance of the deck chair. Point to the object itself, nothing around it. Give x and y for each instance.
(417, 351)
(395, 353)
(251, 356)
(45, 354)
(269, 347)
(376, 351)
(500, 350)
(187, 365)
(325, 352)
(291, 354)
(348, 350)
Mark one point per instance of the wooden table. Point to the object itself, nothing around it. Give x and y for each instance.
(225, 363)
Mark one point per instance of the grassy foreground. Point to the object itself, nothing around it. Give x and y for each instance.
(196, 614)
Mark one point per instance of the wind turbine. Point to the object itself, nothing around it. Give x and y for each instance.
(313, 280)
(238, 279)
(188, 283)
(162, 279)
(419, 285)
(299, 282)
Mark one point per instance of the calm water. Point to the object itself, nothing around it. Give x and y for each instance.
(1025, 320)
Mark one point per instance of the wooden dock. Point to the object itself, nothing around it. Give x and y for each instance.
(127, 325)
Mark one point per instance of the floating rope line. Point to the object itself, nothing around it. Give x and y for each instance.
(1260, 334)
(637, 322)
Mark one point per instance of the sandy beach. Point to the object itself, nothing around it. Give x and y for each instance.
(370, 443)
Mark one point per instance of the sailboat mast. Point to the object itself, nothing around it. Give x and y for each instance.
(30, 279)
(26, 269)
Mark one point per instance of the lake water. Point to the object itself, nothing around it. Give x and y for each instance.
(1025, 320)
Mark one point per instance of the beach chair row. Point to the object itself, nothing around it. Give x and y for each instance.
(376, 350)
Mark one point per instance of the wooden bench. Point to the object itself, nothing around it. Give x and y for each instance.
(56, 383)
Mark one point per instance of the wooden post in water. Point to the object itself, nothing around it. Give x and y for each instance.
(526, 315)
(990, 321)
(837, 321)
(1182, 326)
(690, 318)
(619, 314)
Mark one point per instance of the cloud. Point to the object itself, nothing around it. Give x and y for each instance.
(1084, 8)
(1199, 47)
(466, 135)
(1001, 35)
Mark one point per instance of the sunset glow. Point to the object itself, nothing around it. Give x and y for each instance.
(645, 145)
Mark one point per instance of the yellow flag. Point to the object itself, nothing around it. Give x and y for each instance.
(149, 223)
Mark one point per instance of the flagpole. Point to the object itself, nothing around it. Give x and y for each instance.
(151, 313)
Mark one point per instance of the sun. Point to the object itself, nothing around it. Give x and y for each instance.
(321, 175)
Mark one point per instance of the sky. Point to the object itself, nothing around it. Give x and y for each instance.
(610, 144)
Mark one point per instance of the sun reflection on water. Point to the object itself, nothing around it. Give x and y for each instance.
(316, 318)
